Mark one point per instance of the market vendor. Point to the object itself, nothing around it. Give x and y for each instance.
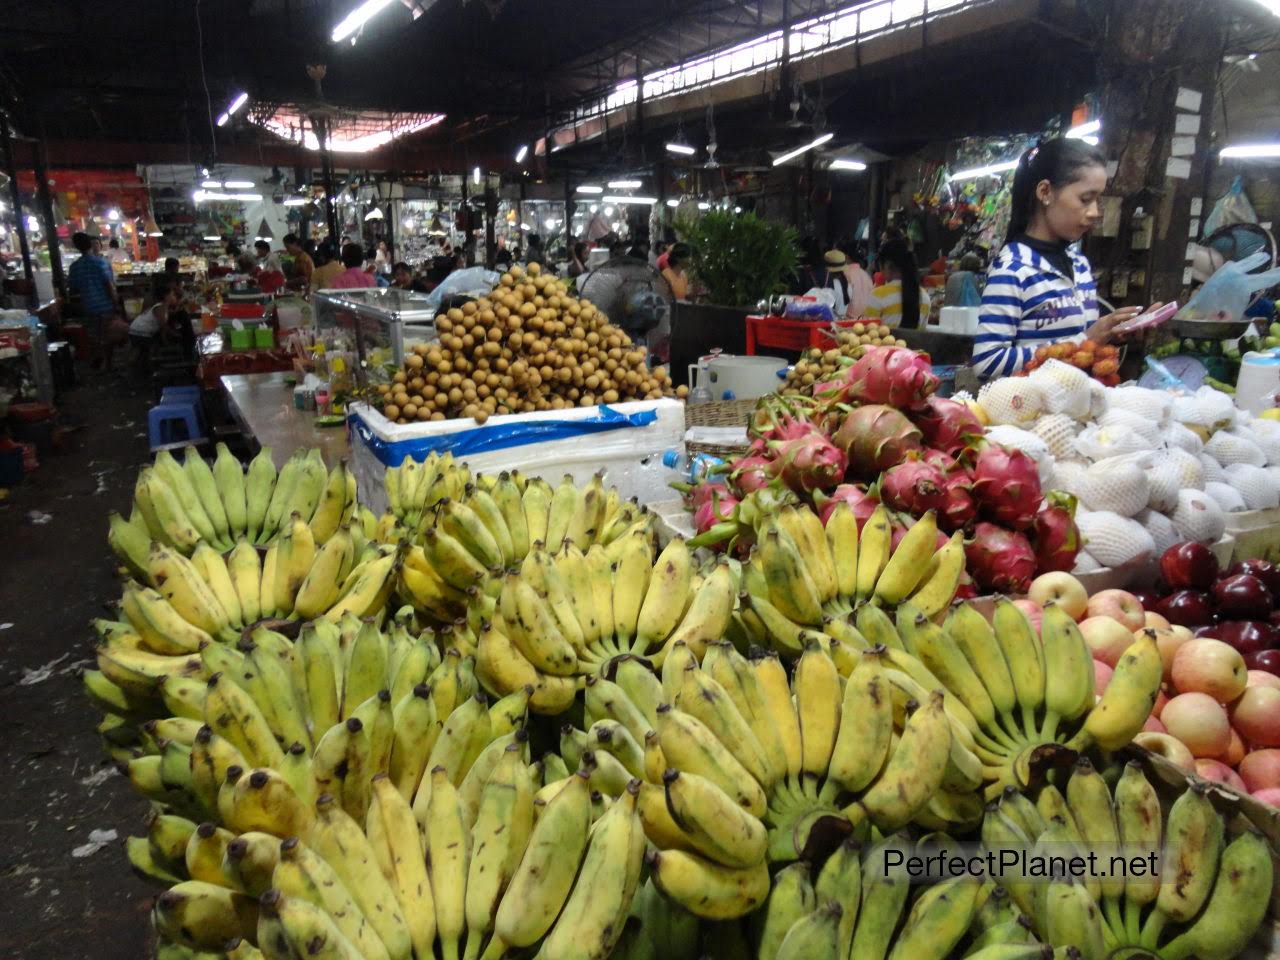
(1040, 290)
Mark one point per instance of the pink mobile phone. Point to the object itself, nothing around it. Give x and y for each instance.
(1145, 321)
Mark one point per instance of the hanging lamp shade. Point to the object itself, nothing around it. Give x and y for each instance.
(264, 230)
(436, 225)
(151, 228)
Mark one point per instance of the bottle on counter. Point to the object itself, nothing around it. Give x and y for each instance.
(692, 468)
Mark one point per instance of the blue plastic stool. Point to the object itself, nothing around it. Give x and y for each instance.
(167, 422)
(184, 394)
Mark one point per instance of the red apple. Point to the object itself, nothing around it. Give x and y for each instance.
(1034, 612)
(1261, 769)
(1189, 564)
(1243, 597)
(1148, 598)
(1169, 747)
(1264, 570)
(1257, 716)
(1060, 588)
(1107, 638)
(1262, 678)
(1219, 772)
(1275, 615)
(1153, 725)
(1101, 676)
(1200, 722)
(1268, 660)
(1247, 636)
(1187, 608)
(1119, 605)
(1268, 795)
(1210, 667)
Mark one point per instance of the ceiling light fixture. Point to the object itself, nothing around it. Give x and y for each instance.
(375, 214)
(681, 148)
(232, 108)
(357, 18)
(623, 200)
(792, 154)
(296, 202)
(475, 175)
(673, 203)
(1085, 130)
(624, 184)
(522, 153)
(212, 184)
(1251, 151)
(212, 239)
(589, 188)
(988, 171)
(238, 184)
(842, 164)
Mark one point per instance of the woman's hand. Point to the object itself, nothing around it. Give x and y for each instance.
(1101, 331)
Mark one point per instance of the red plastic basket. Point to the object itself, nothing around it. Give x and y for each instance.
(780, 333)
(242, 311)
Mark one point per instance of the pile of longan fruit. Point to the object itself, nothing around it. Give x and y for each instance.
(816, 365)
(529, 345)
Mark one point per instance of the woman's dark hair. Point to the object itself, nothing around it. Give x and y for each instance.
(353, 255)
(1057, 160)
(679, 255)
(897, 254)
(82, 241)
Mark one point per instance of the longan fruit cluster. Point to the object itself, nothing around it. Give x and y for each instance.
(529, 345)
(816, 365)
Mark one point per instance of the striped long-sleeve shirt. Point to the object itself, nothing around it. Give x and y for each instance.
(1027, 304)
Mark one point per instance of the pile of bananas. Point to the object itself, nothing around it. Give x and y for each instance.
(802, 577)
(414, 487)
(817, 365)
(183, 505)
(1207, 900)
(567, 615)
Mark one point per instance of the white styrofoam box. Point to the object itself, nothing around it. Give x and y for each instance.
(630, 456)
(961, 320)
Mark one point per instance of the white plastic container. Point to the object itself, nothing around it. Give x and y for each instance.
(958, 320)
(747, 378)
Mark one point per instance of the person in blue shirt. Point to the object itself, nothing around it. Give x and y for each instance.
(91, 279)
(1040, 289)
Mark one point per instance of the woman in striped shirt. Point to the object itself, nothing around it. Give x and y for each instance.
(1039, 289)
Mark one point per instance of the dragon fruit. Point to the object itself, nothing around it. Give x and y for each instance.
(943, 461)
(959, 509)
(899, 530)
(948, 425)
(751, 473)
(808, 460)
(1057, 539)
(999, 559)
(1006, 484)
(860, 501)
(715, 508)
(897, 376)
(914, 486)
(876, 438)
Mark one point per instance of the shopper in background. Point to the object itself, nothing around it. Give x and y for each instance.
(149, 326)
(807, 274)
(114, 253)
(835, 281)
(658, 256)
(898, 301)
(1040, 290)
(958, 281)
(303, 266)
(382, 258)
(402, 278)
(268, 262)
(533, 250)
(328, 266)
(91, 279)
(859, 281)
(355, 275)
(675, 275)
(577, 259)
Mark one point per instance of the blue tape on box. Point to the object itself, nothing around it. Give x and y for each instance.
(486, 439)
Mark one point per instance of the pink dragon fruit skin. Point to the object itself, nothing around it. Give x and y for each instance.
(810, 461)
(714, 509)
(948, 425)
(1054, 533)
(1006, 485)
(876, 438)
(999, 559)
(751, 473)
(943, 461)
(898, 376)
(704, 492)
(914, 486)
(960, 509)
(859, 499)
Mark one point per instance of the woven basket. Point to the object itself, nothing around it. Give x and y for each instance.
(718, 413)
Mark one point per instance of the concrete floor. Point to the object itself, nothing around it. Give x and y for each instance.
(56, 574)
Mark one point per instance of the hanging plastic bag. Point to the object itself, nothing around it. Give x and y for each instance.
(473, 281)
(969, 296)
(1232, 207)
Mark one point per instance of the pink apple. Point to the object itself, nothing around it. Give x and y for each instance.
(1172, 749)
(1169, 640)
(1236, 752)
(1260, 769)
(1101, 676)
(1210, 666)
(1268, 795)
(1219, 772)
(1107, 637)
(1119, 605)
(1154, 619)
(1034, 612)
(1060, 588)
(1263, 678)
(1153, 725)
(1199, 721)
(1161, 699)
(1257, 716)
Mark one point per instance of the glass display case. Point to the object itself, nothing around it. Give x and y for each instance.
(377, 325)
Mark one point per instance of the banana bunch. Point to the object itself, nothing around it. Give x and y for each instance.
(468, 541)
(562, 616)
(1207, 900)
(414, 487)
(182, 505)
(803, 577)
(851, 909)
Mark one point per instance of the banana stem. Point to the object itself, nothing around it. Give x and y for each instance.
(1132, 920)
(1152, 929)
(1113, 922)
(1029, 726)
(1050, 728)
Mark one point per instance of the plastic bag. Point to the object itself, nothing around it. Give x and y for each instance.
(1232, 207)
(969, 296)
(475, 281)
(818, 304)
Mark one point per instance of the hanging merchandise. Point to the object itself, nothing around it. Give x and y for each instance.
(1232, 207)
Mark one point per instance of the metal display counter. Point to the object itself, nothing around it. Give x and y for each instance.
(262, 404)
(377, 324)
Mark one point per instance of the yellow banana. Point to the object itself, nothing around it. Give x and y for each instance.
(913, 771)
(205, 487)
(448, 850)
(778, 707)
(908, 562)
(250, 861)
(842, 540)
(233, 715)
(866, 725)
(304, 874)
(1068, 665)
(689, 746)
(1236, 907)
(204, 916)
(228, 475)
(536, 500)
(817, 694)
(322, 583)
(259, 484)
(708, 615)
(1128, 699)
(668, 591)
(204, 852)
(213, 570)
(1025, 657)
(806, 532)
(708, 889)
(397, 848)
(791, 587)
(631, 575)
(791, 898)
(937, 920)
(1140, 826)
(328, 516)
(935, 593)
(874, 546)
(245, 569)
(703, 698)
(717, 826)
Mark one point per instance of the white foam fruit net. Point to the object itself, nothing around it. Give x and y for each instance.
(1226, 496)
(1012, 400)
(1183, 437)
(1228, 447)
(1100, 443)
(1069, 475)
(1149, 430)
(1186, 466)
(1161, 528)
(1165, 485)
(1212, 469)
(1114, 540)
(1198, 517)
(1058, 431)
(1266, 433)
(1119, 485)
(1255, 484)
(1150, 405)
(1065, 388)
(1206, 407)
(1085, 563)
